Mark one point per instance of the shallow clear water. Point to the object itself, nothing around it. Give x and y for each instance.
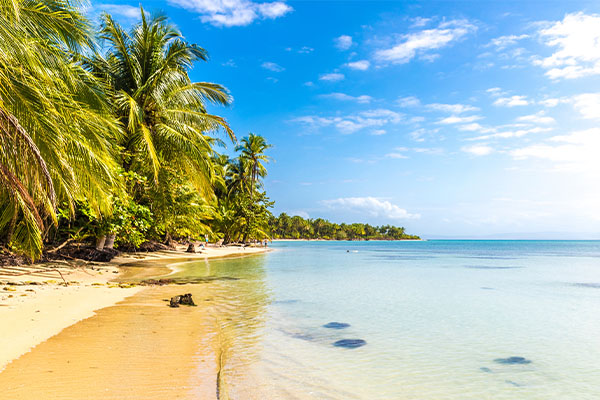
(435, 316)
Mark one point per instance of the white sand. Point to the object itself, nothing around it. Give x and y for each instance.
(31, 314)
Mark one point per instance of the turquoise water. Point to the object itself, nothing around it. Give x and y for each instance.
(436, 316)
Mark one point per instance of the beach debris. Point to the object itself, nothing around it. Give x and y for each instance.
(184, 299)
(350, 343)
(513, 360)
(336, 325)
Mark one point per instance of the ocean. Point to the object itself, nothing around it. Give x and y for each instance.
(439, 320)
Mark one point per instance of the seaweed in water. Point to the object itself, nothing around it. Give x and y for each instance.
(512, 360)
(336, 325)
(588, 285)
(350, 343)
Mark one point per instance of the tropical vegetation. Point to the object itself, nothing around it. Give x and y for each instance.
(105, 138)
(296, 227)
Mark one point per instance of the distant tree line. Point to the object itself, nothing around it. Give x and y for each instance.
(296, 227)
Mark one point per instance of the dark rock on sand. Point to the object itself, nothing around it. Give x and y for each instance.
(336, 325)
(350, 343)
(512, 360)
(184, 299)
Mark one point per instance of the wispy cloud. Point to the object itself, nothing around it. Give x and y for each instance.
(363, 99)
(332, 77)
(537, 118)
(229, 13)
(351, 123)
(372, 206)
(343, 42)
(361, 65)
(478, 149)
(454, 119)
(577, 151)
(409, 101)
(577, 40)
(271, 66)
(420, 43)
(504, 41)
(452, 108)
(512, 101)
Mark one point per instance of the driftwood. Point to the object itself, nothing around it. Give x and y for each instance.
(184, 299)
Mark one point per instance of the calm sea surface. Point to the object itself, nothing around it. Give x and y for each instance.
(441, 320)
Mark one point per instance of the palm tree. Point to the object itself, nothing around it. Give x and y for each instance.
(253, 152)
(56, 133)
(163, 112)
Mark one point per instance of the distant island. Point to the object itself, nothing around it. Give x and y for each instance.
(296, 227)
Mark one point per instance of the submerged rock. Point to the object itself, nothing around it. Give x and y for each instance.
(512, 360)
(184, 299)
(350, 343)
(336, 325)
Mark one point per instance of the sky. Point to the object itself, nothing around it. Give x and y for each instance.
(461, 119)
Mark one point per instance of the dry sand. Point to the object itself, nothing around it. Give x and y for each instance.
(37, 305)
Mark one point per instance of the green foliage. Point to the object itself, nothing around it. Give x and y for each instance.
(115, 143)
(296, 227)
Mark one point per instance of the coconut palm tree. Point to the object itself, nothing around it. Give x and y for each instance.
(252, 150)
(56, 132)
(163, 113)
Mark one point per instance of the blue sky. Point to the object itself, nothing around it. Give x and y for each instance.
(453, 119)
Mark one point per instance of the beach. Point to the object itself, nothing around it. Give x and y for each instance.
(443, 320)
(39, 305)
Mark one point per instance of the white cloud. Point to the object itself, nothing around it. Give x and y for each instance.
(537, 118)
(511, 101)
(305, 50)
(588, 105)
(345, 97)
(478, 149)
(123, 10)
(378, 132)
(332, 77)
(512, 133)
(371, 206)
(452, 108)
(419, 43)
(396, 155)
(576, 152)
(271, 66)
(495, 91)
(420, 22)
(458, 120)
(577, 39)
(409, 101)
(343, 42)
(508, 40)
(361, 65)
(233, 12)
(354, 122)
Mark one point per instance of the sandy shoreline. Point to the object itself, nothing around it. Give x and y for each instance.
(35, 304)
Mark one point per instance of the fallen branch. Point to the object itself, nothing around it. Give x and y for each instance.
(54, 250)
